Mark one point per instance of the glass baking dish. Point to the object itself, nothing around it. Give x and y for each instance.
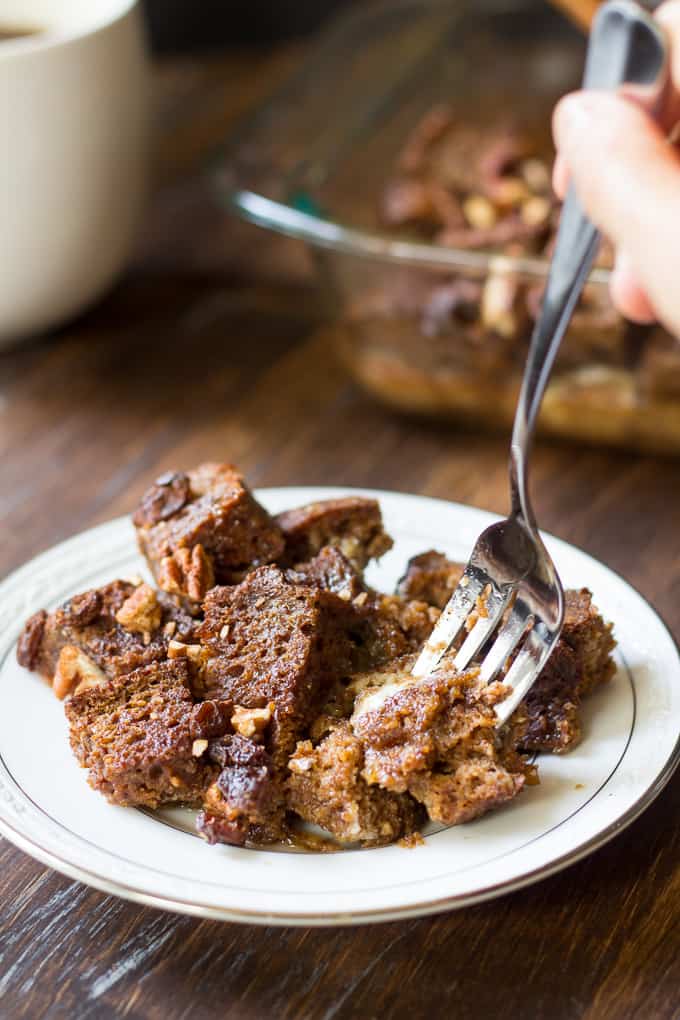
(316, 164)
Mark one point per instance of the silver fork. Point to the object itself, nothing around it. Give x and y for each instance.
(510, 581)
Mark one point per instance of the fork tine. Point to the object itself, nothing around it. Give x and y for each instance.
(450, 622)
(525, 668)
(496, 605)
(506, 642)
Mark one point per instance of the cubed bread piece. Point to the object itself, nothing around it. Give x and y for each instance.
(331, 571)
(353, 525)
(326, 788)
(436, 740)
(430, 577)
(590, 639)
(202, 528)
(119, 627)
(245, 802)
(143, 739)
(269, 641)
(549, 717)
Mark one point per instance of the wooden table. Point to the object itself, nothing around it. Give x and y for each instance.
(210, 348)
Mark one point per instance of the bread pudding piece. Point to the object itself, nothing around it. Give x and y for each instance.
(143, 739)
(353, 525)
(549, 717)
(268, 641)
(326, 788)
(245, 802)
(329, 570)
(204, 527)
(436, 740)
(116, 628)
(590, 639)
(430, 577)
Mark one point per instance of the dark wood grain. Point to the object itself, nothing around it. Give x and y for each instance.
(214, 347)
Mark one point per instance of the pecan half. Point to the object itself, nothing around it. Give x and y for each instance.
(84, 609)
(166, 497)
(187, 572)
(141, 612)
(251, 722)
(28, 648)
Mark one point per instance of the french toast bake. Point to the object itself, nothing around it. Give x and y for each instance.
(240, 686)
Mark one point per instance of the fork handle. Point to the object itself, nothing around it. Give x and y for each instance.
(627, 48)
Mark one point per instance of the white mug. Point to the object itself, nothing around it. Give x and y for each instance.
(74, 135)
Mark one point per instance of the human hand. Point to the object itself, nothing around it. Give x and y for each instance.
(627, 176)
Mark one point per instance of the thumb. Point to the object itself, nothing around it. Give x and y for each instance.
(627, 177)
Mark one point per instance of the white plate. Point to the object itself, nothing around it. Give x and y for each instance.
(631, 746)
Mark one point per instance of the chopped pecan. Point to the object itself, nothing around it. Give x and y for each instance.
(500, 305)
(537, 175)
(187, 572)
(179, 650)
(84, 609)
(508, 192)
(141, 612)
(480, 213)
(251, 722)
(166, 497)
(536, 211)
(28, 648)
(75, 669)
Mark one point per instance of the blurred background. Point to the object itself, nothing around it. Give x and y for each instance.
(184, 25)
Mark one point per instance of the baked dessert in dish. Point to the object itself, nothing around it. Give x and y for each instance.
(281, 695)
(453, 343)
